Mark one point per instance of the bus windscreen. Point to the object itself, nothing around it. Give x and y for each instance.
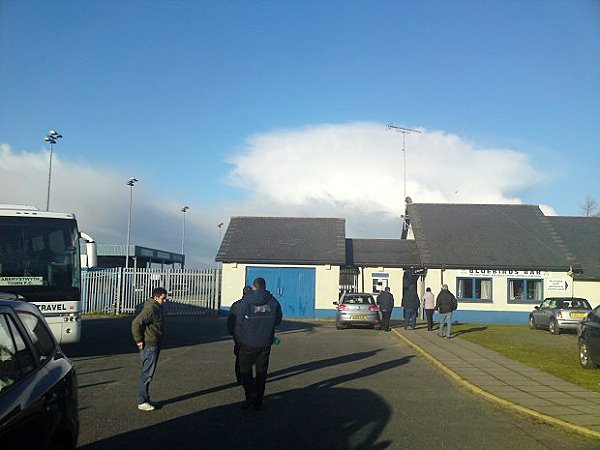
(39, 258)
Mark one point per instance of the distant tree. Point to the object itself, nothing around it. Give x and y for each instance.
(589, 207)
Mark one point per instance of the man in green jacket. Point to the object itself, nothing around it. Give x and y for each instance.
(147, 330)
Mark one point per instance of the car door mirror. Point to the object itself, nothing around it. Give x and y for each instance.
(536, 307)
(335, 303)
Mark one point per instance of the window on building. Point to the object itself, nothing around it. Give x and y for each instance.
(380, 282)
(525, 290)
(474, 289)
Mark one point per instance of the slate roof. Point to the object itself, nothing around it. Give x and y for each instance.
(382, 253)
(492, 236)
(582, 237)
(284, 240)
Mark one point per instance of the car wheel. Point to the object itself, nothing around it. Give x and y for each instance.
(532, 324)
(339, 326)
(553, 327)
(584, 356)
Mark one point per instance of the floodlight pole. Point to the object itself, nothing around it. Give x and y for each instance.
(404, 132)
(131, 182)
(183, 210)
(52, 137)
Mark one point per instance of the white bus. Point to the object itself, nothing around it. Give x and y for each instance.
(39, 261)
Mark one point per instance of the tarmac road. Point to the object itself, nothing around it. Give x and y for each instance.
(328, 389)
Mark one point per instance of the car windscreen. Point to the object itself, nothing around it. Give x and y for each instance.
(358, 300)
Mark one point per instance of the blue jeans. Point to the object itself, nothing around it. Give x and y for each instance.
(410, 318)
(149, 358)
(445, 318)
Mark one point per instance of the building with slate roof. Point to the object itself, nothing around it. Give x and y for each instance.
(499, 260)
(502, 260)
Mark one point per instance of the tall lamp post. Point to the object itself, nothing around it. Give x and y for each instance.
(52, 137)
(131, 182)
(220, 232)
(183, 210)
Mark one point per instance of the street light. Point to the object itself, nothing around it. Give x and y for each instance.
(131, 182)
(220, 226)
(52, 138)
(183, 210)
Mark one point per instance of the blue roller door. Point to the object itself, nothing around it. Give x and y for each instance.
(294, 288)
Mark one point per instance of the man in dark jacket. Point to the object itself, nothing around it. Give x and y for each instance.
(231, 320)
(147, 329)
(257, 315)
(411, 307)
(385, 300)
(445, 305)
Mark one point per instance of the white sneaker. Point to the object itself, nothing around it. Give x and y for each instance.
(146, 407)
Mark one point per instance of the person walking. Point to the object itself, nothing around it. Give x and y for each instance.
(231, 320)
(385, 300)
(147, 329)
(429, 307)
(257, 315)
(445, 304)
(411, 307)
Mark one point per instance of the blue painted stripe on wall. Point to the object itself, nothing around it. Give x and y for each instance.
(499, 317)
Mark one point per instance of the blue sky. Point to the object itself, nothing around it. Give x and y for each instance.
(189, 97)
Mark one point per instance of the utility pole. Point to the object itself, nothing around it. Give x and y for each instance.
(404, 132)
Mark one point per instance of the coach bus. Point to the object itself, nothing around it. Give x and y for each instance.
(39, 261)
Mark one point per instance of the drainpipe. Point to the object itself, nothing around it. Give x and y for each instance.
(362, 279)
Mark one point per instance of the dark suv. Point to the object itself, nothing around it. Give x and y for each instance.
(38, 384)
(589, 340)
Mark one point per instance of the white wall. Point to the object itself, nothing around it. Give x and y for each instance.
(232, 283)
(395, 280)
(551, 282)
(589, 290)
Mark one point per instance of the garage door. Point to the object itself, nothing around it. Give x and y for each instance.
(293, 287)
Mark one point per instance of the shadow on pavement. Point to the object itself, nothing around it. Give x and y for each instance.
(283, 373)
(312, 418)
(112, 336)
(320, 416)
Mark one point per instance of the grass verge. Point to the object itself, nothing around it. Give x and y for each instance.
(557, 355)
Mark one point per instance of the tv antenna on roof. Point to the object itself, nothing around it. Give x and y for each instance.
(404, 132)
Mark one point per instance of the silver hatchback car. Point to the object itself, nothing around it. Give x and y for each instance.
(559, 313)
(356, 308)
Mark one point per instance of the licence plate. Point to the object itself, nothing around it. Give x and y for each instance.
(359, 317)
(578, 315)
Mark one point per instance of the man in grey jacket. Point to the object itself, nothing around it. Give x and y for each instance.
(147, 329)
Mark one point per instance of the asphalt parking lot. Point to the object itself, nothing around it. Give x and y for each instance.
(328, 389)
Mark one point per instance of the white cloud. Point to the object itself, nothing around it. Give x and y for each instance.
(355, 170)
(100, 199)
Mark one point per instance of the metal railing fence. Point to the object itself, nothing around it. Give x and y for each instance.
(120, 290)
